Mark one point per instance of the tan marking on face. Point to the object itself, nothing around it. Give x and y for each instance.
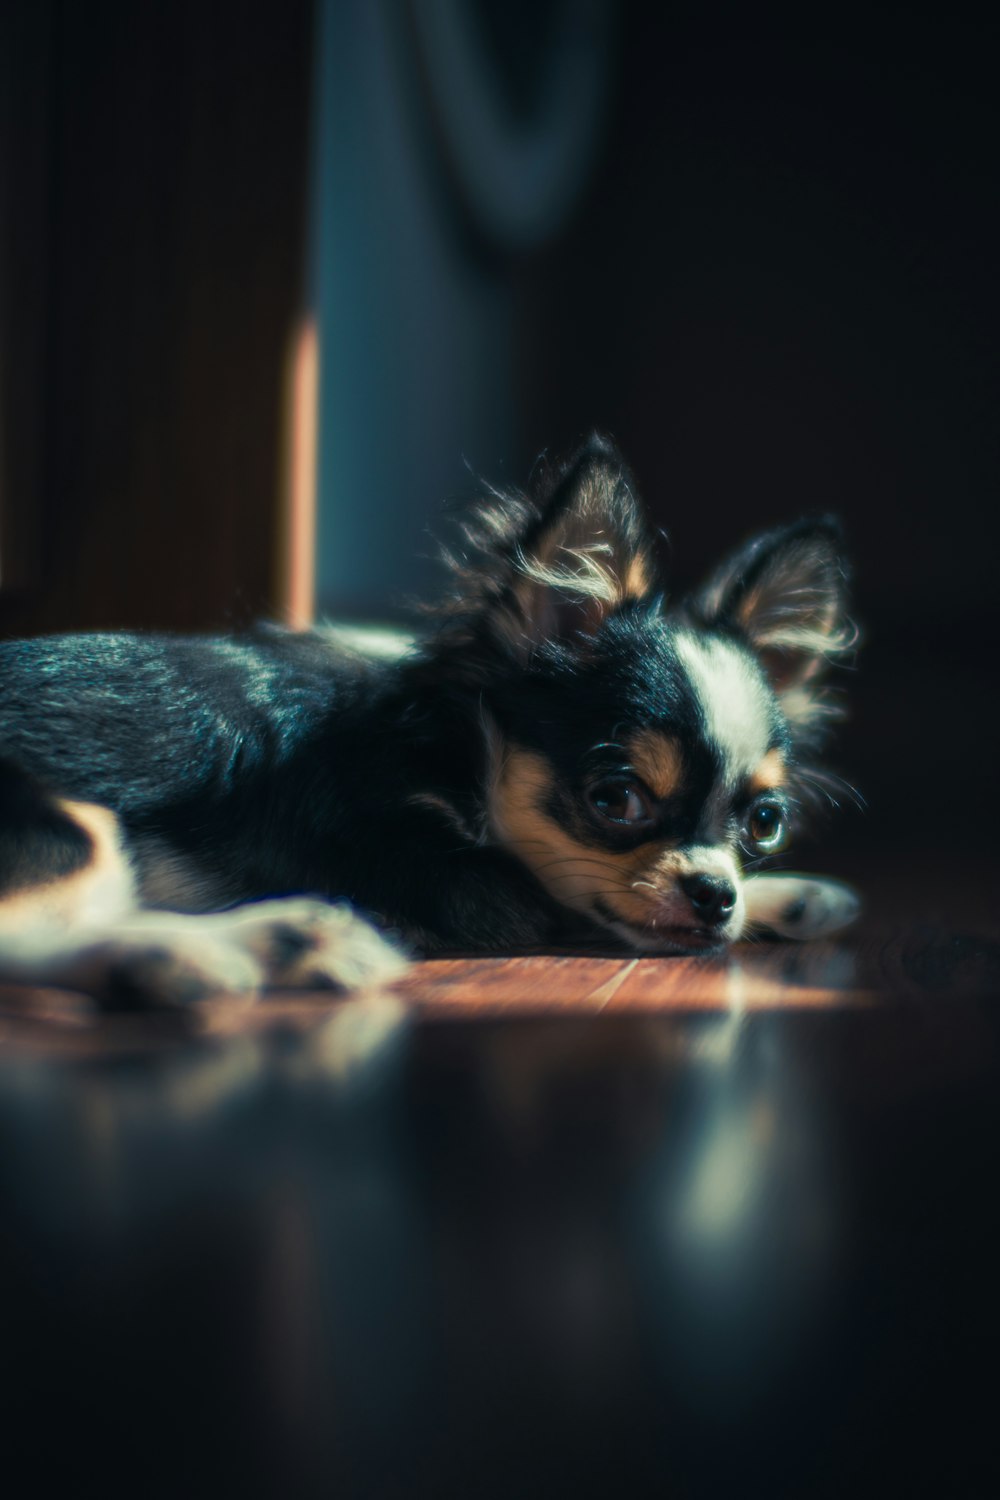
(573, 872)
(638, 885)
(658, 760)
(770, 773)
(102, 889)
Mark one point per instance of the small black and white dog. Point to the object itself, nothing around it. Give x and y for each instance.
(561, 758)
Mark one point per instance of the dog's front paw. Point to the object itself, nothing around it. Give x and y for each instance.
(800, 906)
(308, 944)
(164, 970)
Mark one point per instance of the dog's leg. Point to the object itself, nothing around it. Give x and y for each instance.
(154, 959)
(304, 943)
(799, 906)
(132, 964)
(69, 917)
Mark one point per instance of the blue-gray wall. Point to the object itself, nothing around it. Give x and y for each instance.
(417, 303)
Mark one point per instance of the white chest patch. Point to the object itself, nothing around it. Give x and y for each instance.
(733, 701)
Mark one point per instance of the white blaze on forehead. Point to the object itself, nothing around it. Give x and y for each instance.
(733, 699)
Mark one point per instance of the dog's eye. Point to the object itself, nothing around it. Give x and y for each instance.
(619, 802)
(767, 827)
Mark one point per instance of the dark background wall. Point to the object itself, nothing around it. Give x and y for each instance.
(782, 290)
(154, 168)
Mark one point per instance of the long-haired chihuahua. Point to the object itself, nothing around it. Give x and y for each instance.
(561, 758)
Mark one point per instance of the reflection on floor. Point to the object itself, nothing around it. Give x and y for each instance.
(532, 1226)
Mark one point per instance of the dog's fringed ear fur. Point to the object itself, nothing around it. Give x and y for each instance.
(785, 594)
(553, 564)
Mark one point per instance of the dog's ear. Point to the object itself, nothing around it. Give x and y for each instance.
(785, 593)
(575, 551)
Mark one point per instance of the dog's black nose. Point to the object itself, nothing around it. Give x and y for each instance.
(712, 896)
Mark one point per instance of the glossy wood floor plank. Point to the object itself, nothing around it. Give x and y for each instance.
(871, 968)
(547, 984)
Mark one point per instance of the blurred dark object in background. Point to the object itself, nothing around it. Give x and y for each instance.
(153, 181)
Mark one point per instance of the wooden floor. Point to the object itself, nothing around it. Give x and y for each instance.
(856, 969)
(540, 1225)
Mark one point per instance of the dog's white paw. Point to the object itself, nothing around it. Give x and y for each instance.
(800, 906)
(163, 969)
(164, 960)
(303, 943)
